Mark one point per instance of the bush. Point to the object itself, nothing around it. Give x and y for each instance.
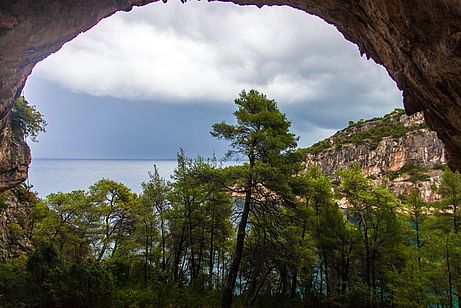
(14, 282)
(166, 295)
(416, 173)
(26, 120)
(357, 134)
(319, 147)
(3, 204)
(84, 283)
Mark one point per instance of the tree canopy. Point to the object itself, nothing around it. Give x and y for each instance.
(26, 120)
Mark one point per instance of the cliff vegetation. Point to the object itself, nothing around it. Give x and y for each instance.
(396, 150)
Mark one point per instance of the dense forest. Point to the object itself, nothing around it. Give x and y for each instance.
(268, 232)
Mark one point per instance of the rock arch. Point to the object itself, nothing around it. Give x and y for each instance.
(418, 42)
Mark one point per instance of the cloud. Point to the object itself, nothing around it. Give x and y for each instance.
(202, 51)
(163, 73)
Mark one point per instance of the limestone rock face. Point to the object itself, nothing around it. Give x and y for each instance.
(418, 146)
(393, 161)
(419, 43)
(15, 224)
(15, 158)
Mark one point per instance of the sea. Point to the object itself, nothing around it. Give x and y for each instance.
(64, 175)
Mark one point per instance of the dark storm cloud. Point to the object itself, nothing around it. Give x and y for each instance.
(193, 59)
(85, 126)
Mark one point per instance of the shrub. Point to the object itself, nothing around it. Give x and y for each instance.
(26, 120)
(319, 147)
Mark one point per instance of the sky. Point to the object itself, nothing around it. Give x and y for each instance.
(142, 84)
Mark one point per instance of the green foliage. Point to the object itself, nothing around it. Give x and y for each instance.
(373, 210)
(387, 126)
(199, 206)
(3, 204)
(261, 130)
(370, 132)
(174, 245)
(26, 120)
(392, 175)
(416, 173)
(14, 283)
(85, 282)
(113, 205)
(262, 135)
(166, 296)
(450, 189)
(442, 167)
(375, 134)
(319, 147)
(395, 114)
(44, 279)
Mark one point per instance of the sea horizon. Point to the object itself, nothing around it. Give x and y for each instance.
(141, 159)
(50, 175)
(79, 158)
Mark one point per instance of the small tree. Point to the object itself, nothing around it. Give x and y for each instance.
(151, 219)
(26, 120)
(115, 204)
(450, 189)
(374, 211)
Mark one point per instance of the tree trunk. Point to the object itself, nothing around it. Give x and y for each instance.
(162, 227)
(321, 280)
(373, 270)
(367, 273)
(450, 283)
(263, 280)
(283, 280)
(211, 260)
(200, 254)
(237, 257)
(367, 249)
(455, 218)
(146, 254)
(294, 278)
(193, 272)
(345, 262)
(418, 239)
(177, 255)
(327, 277)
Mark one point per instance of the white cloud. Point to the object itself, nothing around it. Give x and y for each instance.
(211, 51)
